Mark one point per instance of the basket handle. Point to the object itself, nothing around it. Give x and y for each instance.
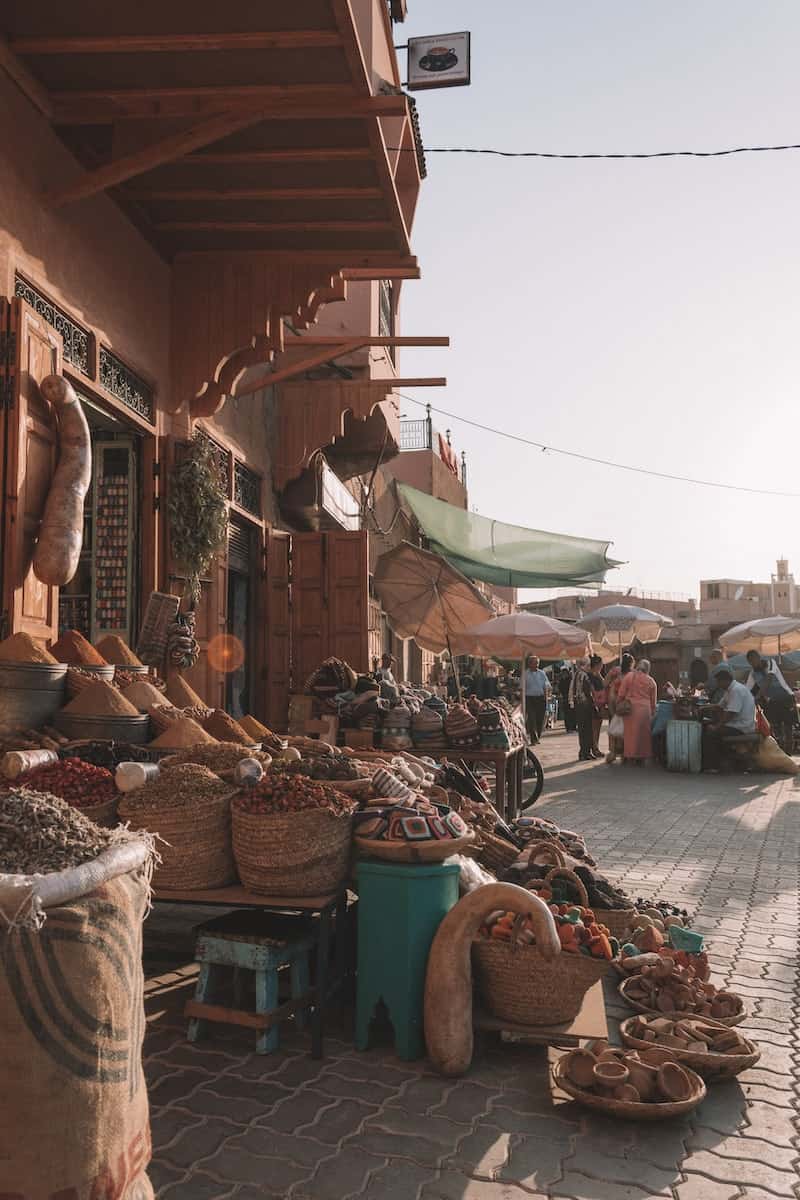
(550, 848)
(577, 883)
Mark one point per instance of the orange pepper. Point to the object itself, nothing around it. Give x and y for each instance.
(500, 934)
(566, 935)
(600, 947)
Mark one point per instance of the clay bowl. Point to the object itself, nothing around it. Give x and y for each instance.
(675, 1016)
(709, 1065)
(610, 1073)
(625, 1109)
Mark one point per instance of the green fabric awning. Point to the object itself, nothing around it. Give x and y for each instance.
(507, 555)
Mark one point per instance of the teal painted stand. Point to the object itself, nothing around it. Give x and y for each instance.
(400, 907)
(249, 941)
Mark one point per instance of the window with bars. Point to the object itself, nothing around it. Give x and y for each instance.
(246, 488)
(78, 341)
(386, 312)
(125, 386)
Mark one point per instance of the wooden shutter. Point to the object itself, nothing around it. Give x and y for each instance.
(32, 351)
(278, 627)
(309, 613)
(348, 597)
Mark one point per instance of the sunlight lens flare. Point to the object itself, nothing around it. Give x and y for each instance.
(225, 653)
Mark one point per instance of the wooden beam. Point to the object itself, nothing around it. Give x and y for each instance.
(154, 155)
(274, 227)
(25, 80)
(380, 261)
(424, 381)
(155, 43)
(226, 158)
(233, 193)
(293, 343)
(270, 378)
(300, 101)
(356, 274)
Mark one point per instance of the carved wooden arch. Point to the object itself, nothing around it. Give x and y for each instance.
(228, 315)
(312, 414)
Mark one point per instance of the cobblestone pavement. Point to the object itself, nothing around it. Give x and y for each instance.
(228, 1123)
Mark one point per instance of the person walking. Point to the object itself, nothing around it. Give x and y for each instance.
(767, 684)
(537, 689)
(616, 725)
(636, 702)
(581, 697)
(599, 700)
(567, 711)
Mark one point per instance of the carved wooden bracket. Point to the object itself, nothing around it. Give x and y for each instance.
(227, 315)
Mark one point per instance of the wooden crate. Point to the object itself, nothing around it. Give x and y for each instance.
(359, 739)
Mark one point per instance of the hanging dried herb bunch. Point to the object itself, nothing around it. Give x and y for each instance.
(198, 512)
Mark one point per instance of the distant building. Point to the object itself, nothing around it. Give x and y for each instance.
(678, 607)
(726, 602)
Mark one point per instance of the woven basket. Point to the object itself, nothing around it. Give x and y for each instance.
(574, 880)
(517, 984)
(196, 851)
(414, 852)
(676, 1016)
(618, 921)
(536, 849)
(495, 852)
(711, 1066)
(624, 1108)
(102, 814)
(292, 854)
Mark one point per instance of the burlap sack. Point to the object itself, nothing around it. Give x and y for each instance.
(74, 1117)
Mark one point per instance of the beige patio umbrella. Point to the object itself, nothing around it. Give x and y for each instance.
(520, 634)
(427, 599)
(767, 635)
(623, 624)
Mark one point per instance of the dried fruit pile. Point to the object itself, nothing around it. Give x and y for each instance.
(40, 833)
(668, 988)
(105, 754)
(278, 792)
(79, 783)
(695, 1036)
(219, 756)
(578, 930)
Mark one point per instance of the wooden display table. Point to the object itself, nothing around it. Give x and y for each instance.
(589, 1025)
(327, 909)
(508, 775)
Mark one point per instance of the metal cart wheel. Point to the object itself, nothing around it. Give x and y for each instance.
(533, 770)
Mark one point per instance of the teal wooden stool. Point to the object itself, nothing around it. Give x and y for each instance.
(252, 941)
(400, 907)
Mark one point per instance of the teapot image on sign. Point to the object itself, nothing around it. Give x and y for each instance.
(438, 58)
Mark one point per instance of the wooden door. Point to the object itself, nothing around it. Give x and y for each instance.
(348, 597)
(308, 607)
(278, 632)
(30, 448)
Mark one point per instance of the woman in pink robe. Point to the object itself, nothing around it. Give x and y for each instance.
(640, 689)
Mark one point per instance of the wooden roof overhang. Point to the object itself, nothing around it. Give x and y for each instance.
(251, 143)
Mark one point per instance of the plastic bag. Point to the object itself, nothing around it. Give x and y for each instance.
(616, 726)
(471, 874)
(770, 757)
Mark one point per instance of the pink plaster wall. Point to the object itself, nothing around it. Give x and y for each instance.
(86, 256)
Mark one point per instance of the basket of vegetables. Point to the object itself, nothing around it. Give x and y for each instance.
(292, 836)
(517, 984)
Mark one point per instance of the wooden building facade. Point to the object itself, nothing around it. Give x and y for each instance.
(181, 197)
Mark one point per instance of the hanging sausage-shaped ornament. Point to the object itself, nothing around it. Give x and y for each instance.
(55, 558)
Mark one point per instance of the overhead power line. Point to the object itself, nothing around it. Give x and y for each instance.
(596, 154)
(600, 462)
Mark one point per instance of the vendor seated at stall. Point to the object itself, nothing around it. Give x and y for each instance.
(714, 689)
(734, 715)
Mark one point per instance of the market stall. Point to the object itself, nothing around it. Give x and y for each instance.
(475, 898)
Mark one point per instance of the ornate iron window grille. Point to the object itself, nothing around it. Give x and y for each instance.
(77, 340)
(246, 488)
(222, 458)
(125, 386)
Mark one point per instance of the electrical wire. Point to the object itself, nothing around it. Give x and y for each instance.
(593, 155)
(601, 462)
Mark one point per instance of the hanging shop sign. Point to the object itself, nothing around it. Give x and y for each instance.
(442, 60)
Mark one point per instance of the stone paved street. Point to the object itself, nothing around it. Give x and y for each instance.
(228, 1123)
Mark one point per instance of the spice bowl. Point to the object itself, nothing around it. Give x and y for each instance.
(117, 729)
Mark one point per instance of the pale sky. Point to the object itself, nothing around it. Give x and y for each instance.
(641, 311)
